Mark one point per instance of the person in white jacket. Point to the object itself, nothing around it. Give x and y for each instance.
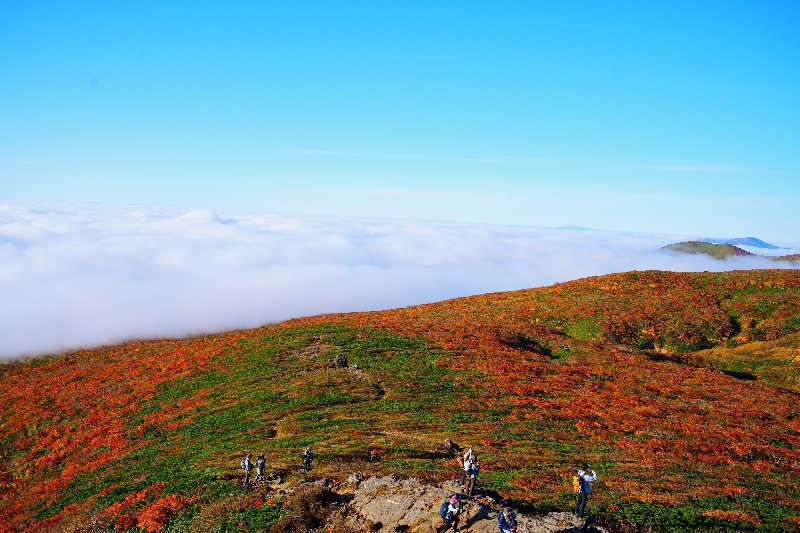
(584, 478)
(468, 453)
(467, 469)
(247, 466)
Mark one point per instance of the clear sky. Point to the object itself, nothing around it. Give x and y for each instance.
(674, 117)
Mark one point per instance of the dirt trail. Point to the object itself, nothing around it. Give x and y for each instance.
(391, 504)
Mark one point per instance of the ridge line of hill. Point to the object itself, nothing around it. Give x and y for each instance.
(722, 251)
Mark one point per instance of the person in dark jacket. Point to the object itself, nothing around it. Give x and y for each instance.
(584, 478)
(307, 456)
(507, 521)
(472, 477)
(260, 464)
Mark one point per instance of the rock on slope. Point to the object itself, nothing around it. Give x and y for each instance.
(391, 504)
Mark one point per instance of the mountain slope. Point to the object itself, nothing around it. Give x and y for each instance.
(149, 434)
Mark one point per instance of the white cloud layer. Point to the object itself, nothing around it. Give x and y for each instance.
(72, 277)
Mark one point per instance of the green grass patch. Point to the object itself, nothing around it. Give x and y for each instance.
(497, 479)
(748, 292)
(252, 518)
(561, 353)
(584, 329)
(791, 324)
(689, 516)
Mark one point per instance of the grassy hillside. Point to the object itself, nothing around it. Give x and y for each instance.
(776, 362)
(147, 436)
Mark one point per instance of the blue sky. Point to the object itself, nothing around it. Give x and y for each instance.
(674, 117)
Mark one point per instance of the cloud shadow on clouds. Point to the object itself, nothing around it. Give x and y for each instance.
(73, 277)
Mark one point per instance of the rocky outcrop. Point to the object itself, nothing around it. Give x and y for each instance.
(392, 504)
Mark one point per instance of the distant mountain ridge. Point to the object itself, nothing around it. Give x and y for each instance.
(722, 251)
(743, 241)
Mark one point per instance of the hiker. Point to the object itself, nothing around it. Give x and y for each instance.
(307, 456)
(583, 480)
(467, 470)
(472, 477)
(507, 521)
(468, 454)
(449, 511)
(374, 454)
(247, 466)
(260, 463)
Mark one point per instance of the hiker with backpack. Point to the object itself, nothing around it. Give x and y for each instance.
(260, 464)
(472, 477)
(507, 521)
(307, 456)
(449, 511)
(580, 483)
(247, 466)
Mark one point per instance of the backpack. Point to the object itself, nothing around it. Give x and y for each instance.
(509, 521)
(443, 509)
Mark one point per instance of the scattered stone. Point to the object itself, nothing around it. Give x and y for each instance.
(450, 448)
(313, 351)
(355, 478)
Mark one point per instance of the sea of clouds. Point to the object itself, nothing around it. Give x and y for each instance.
(83, 276)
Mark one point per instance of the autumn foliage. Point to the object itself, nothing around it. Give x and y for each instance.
(606, 369)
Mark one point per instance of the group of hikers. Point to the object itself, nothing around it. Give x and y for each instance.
(248, 467)
(451, 509)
